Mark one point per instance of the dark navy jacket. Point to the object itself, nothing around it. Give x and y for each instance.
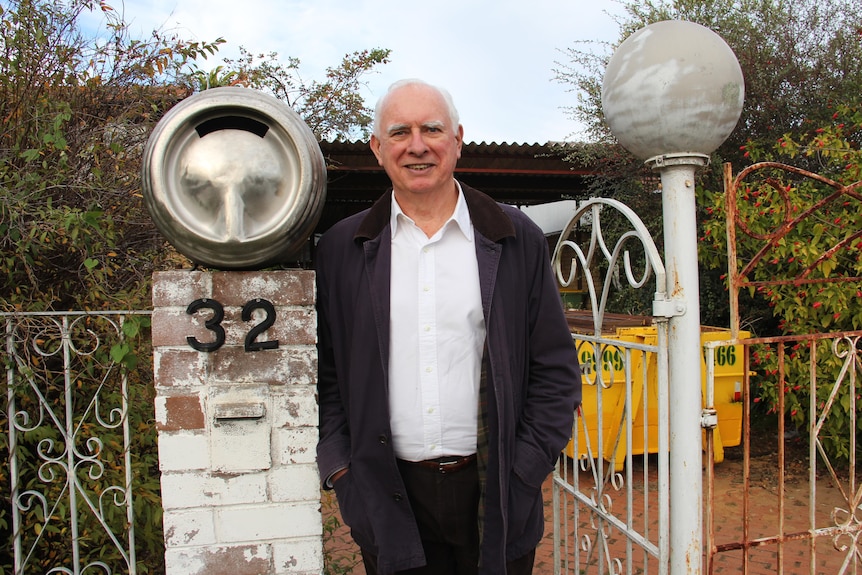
(533, 373)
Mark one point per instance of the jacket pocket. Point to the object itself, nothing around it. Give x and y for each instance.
(525, 512)
(353, 512)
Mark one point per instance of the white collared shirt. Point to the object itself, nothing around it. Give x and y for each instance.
(437, 333)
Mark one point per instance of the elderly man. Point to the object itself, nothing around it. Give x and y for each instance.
(448, 376)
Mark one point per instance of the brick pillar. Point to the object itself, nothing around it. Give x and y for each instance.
(237, 428)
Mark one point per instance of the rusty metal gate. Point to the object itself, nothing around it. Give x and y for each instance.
(792, 502)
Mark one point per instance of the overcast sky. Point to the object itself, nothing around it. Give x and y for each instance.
(496, 57)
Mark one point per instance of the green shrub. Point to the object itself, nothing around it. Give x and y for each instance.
(805, 233)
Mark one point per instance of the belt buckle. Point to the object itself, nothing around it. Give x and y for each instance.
(456, 463)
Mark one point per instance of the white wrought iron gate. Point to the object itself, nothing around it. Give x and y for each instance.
(70, 464)
(610, 489)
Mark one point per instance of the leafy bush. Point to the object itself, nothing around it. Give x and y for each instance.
(77, 109)
(822, 247)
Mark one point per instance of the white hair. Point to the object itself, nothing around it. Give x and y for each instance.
(447, 98)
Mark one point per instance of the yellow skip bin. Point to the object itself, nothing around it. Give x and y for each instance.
(605, 366)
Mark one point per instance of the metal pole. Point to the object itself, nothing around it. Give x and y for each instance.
(12, 417)
(684, 352)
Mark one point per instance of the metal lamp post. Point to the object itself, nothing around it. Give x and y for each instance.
(672, 93)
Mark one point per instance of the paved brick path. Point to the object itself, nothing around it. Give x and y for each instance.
(343, 556)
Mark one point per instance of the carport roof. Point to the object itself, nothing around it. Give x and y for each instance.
(518, 174)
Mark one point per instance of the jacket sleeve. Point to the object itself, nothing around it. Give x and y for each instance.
(554, 379)
(333, 448)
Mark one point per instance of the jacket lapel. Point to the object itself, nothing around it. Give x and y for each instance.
(375, 233)
(378, 257)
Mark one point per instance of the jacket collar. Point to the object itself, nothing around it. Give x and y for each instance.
(487, 216)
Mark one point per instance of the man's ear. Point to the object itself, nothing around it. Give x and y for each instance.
(460, 139)
(375, 147)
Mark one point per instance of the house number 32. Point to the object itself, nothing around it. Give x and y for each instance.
(214, 324)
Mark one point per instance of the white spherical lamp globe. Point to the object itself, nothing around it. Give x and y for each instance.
(673, 87)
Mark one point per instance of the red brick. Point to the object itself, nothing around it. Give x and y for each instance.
(172, 326)
(293, 326)
(300, 326)
(175, 367)
(235, 560)
(283, 287)
(182, 412)
(272, 366)
(301, 367)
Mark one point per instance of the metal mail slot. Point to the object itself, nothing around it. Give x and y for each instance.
(234, 411)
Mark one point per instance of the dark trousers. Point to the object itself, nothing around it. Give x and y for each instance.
(446, 509)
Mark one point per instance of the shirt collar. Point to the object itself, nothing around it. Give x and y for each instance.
(461, 215)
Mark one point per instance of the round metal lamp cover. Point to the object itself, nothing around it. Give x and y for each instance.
(672, 87)
(234, 179)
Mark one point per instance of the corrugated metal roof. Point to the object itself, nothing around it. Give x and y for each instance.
(518, 174)
(514, 159)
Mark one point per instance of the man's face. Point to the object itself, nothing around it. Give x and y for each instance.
(417, 144)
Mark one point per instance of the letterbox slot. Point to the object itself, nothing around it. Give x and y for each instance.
(239, 411)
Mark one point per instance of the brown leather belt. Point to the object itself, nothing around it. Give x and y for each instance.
(445, 464)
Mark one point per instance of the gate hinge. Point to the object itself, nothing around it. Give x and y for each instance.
(668, 307)
(709, 418)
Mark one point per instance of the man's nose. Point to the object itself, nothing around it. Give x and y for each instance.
(417, 145)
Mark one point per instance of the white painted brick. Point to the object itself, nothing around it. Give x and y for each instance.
(240, 496)
(189, 527)
(294, 406)
(180, 287)
(183, 560)
(295, 483)
(294, 445)
(201, 489)
(184, 451)
(268, 522)
(161, 409)
(298, 557)
(240, 444)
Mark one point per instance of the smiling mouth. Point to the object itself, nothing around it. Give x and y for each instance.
(418, 167)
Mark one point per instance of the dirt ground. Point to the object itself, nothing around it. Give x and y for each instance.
(786, 504)
(765, 532)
